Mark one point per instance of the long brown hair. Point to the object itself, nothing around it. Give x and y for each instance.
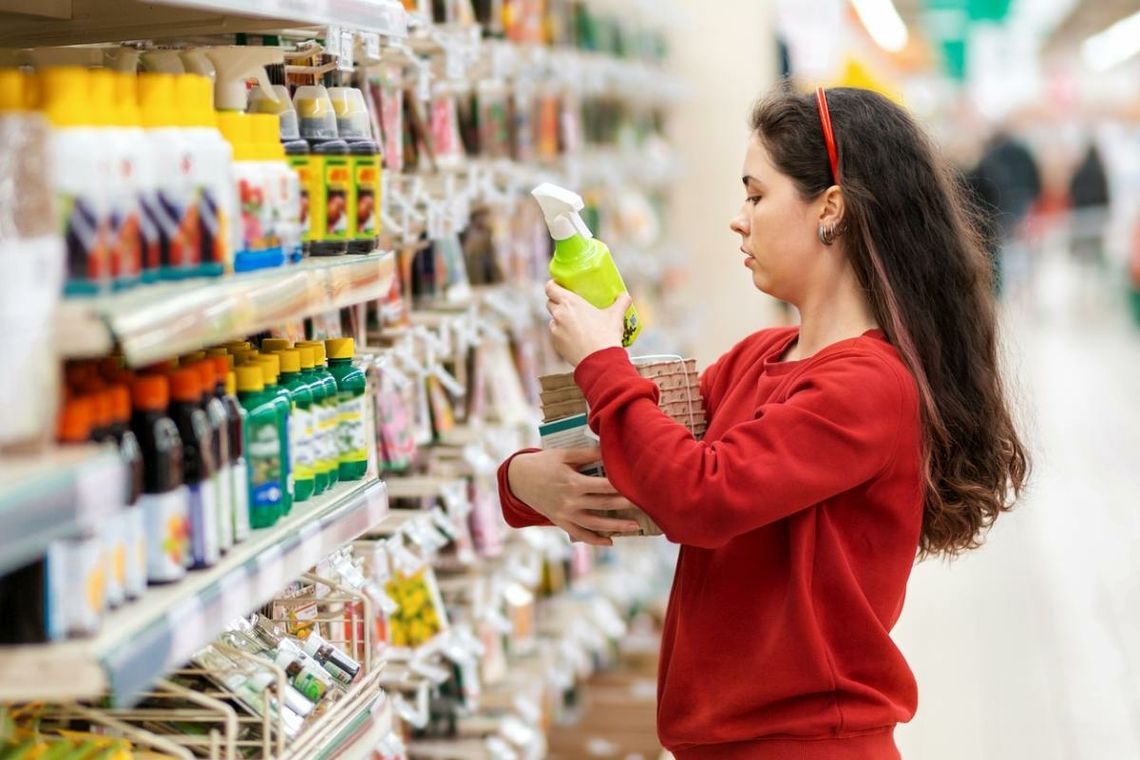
(913, 240)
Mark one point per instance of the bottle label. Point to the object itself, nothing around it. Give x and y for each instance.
(86, 234)
(126, 238)
(328, 423)
(265, 478)
(150, 241)
(254, 210)
(223, 497)
(632, 327)
(366, 170)
(135, 583)
(338, 187)
(167, 523)
(302, 427)
(211, 223)
(352, 444)
(205, 550)
(240, 484)
(303, 167)
(309, 685)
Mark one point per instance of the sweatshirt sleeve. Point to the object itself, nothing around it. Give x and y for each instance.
(517, 513)
(836, 429)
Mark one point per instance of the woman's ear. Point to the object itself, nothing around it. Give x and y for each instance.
(833, 208)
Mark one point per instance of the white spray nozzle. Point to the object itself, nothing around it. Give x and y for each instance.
(234, 65)
(122, 59)
(163, 62)
(561, 208)
(196, 62)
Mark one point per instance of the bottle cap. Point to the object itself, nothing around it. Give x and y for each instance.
(235, 127)
(13, 91)
(282, 108)
(249, 379)
(238, 344)
(66, 96)
(273, 362)
(75, 420)
(185, 386)
(315, 113)
(102, 410)
(231, 383)
(151, 393)
(275, 344)
(266, 132)
(290, 360)
(102, 95)
(207, 374)
(190, 358)
(195, 93)
(308, 356)
(217, 351)
(127, 99)
(222, 364)
(318, 351)
(120, 403)
(340, 348)
(352, 122)
(157, 104)
(245, 355)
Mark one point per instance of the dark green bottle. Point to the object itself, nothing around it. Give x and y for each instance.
(323, 459)
(352, 388)
(262, 447)
(304, 476)
(328, 417)
(271, 370)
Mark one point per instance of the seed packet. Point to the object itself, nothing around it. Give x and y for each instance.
(421, 614)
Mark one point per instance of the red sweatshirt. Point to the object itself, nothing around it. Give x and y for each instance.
(798, 517)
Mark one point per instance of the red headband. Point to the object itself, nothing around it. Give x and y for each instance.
(828, 134)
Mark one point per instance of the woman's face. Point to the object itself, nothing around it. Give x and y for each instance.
(777, 228)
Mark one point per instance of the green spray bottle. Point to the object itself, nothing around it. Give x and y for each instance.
(304, 477)
(271, 369)
(322, 460)
(582, 263)
(352, 386)
(262, 447)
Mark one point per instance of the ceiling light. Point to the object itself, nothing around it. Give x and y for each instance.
(883, 23)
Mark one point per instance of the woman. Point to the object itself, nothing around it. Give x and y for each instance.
(836, 452)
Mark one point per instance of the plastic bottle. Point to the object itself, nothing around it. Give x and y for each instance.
(355, 128)
(283, 185)
(113, 530)
(582, 263)
(328, 417)
(323, 462)
(166, 500)
(176, 213)
(131, 453)
(80, 168)
(339, 665)
(213, 174)
(123, 188)
(271, 370)
(253, 225)
(198, 457)
(329, 172)
(263, 448)
(239, 481)
(301, 422)
(352, 388)
(305, 678)
(143, 178)
(219, 447)
(300, 161)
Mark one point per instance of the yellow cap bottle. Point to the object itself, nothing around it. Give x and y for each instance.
(13, 91)
(266, 135)
(308, 356)
(274, 363)
(318, 351)
(127, 99)
(195, 94)
(340, 348)
(249, 379)
(290, 360)
(66, 96)
(102, 83)
(231, 382)
(275, 344)
(157, 104)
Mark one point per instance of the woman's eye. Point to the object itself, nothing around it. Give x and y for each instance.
(753, 199)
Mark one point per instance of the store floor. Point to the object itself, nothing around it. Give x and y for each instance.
(1029, 649)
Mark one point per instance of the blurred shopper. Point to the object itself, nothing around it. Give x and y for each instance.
(1007, 182)
(1088, 196)
(837, 452)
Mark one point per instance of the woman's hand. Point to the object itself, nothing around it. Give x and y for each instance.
(550, 484)
(579, 328)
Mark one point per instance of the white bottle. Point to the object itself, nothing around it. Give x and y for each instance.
(80, 164)
(141, 155)
(284, 185)
(212, 173)
(122, 189)
(176, 212)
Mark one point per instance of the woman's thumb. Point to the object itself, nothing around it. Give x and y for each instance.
(623, 302)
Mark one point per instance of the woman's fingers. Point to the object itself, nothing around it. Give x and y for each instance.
(591, 484)
(580, 534)
(600, 524)
(606, 503)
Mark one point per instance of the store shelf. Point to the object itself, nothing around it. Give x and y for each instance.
(159, 321)
(57, 494)
(71, 22)
(144, 640)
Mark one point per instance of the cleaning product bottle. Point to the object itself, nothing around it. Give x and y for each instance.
(219, 448)
(213, 179)
(355, 128)
(166, 500)
(283, 400)
(322, 462)
(131, 453)
(194, 429)
(176, 212)
(235, 426)
(263, 447)
(582, 263)
(123, 188)
(113, 529)
(352, 388)
(80, 170)
(143, 176)
(278, 103)
(301, 422)
(284, 191)
(329, 172)
(328, 416)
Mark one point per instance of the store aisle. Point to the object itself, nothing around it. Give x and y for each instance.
(1030, 648)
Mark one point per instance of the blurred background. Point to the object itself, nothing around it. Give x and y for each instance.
(1029, 647)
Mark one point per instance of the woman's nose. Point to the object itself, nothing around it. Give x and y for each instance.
(739, 225)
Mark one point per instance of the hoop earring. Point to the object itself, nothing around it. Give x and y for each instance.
(826, 234)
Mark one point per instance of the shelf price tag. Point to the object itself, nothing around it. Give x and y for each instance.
(333, 40)
(188, 632)
(344, 61)
(371, 43)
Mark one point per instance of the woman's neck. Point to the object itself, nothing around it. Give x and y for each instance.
(832, 314)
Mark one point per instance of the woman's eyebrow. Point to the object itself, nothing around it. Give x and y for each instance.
(749, 178)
